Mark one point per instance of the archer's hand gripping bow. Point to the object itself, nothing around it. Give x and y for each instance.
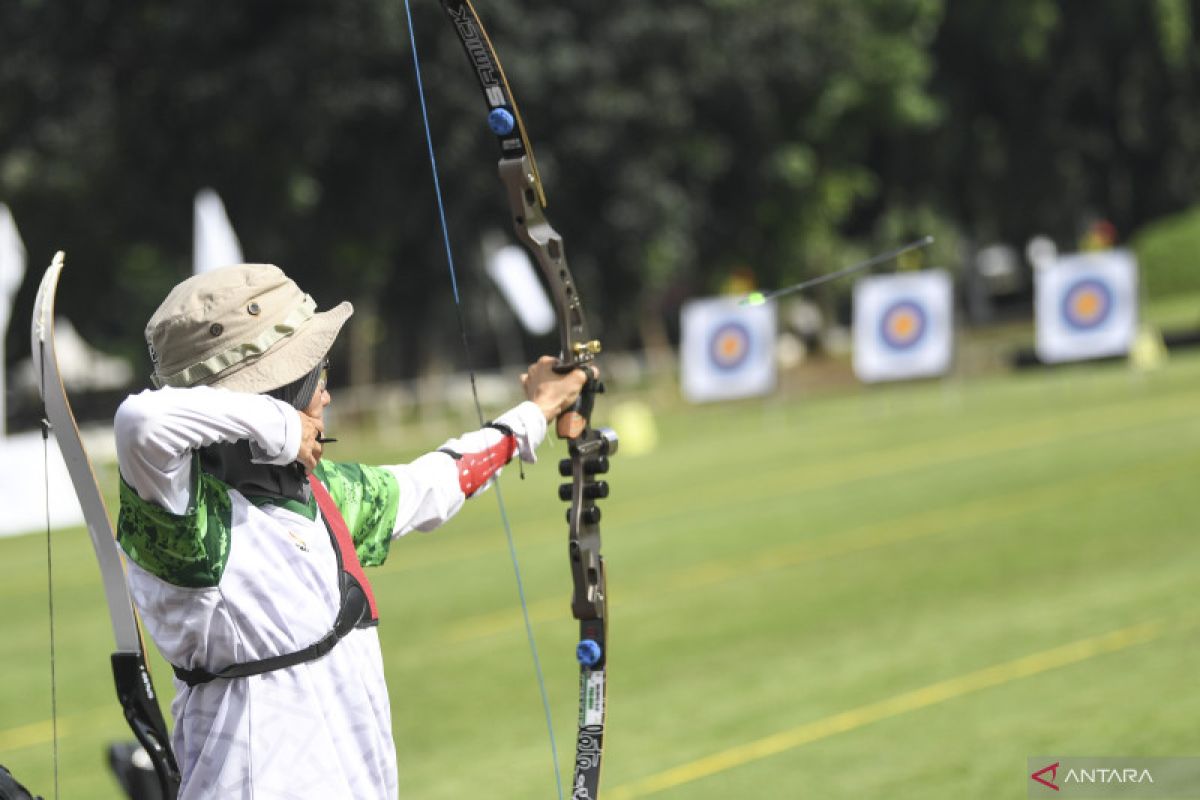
(589, 448)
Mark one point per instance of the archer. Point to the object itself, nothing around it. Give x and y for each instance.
(246, 547)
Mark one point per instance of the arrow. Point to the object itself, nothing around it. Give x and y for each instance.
(758, 298)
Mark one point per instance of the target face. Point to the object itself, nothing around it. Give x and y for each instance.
(729, 346)
(902, 325)
(726, 350)
(1087, 304)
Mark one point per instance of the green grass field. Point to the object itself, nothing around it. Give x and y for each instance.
(898, 592)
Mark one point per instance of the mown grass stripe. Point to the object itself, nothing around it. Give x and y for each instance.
(950, 519)
(918, 699)
(758, 483)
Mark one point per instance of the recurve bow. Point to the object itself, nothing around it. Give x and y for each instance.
(135, 690)
(589, 448)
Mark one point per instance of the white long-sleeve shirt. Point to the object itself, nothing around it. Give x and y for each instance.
(220, 578)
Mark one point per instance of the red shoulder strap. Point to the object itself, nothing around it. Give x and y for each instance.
(345, 542)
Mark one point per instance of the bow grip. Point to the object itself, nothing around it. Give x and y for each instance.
(574, 421)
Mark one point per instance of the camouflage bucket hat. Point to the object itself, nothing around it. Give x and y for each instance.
(247, 328)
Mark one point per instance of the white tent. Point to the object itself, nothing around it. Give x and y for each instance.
(83, 367)
(30, 472)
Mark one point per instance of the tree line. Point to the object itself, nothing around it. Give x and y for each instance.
(680, 142)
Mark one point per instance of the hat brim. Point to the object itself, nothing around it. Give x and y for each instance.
(290, 359)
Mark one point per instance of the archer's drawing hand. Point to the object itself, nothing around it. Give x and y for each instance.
(311, 429)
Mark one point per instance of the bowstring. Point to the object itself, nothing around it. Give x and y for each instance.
(462, 326)
(49, 572)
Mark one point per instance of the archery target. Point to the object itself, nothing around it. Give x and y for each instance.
(729, 346)
(903, 326)
(727, 350)
(1086, 306)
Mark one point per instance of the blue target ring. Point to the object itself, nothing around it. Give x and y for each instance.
(903, 325)
(1087, 304)
(729, 346)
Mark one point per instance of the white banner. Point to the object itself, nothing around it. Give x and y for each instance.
(12, 258)
(512, 271)
(12, 271)
(1086, 306)
(214, 244)
(727, 350)
(903, 326)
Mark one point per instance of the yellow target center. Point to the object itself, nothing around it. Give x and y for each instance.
(903, 326)
(1087, 305)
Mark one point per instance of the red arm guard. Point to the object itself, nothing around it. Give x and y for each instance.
(476, 469)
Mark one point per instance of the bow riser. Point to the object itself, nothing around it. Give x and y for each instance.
(536, 233)
(577, 348)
